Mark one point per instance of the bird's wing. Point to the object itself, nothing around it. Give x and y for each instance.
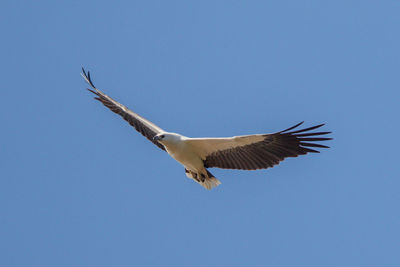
(259, 151)
(143, 126)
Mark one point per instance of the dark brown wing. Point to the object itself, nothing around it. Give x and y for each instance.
(268, 152)
(143, 126)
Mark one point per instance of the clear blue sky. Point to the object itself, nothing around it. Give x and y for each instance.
(80, 187)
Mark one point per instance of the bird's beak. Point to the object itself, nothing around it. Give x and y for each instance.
(156, 138)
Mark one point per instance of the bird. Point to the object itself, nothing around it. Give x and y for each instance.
(245, 152)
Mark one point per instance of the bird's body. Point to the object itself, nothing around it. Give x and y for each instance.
(247, 152)
(178, 148)
(184, 154)
(181, 149)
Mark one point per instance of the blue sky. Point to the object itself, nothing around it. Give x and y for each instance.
(80, 187)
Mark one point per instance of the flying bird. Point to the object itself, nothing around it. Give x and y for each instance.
(246, 152)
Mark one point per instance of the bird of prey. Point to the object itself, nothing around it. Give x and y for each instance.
(246, 152)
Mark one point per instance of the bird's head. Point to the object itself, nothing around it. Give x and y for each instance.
(165, 138)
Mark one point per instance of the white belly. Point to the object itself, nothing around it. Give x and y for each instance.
(186, 157)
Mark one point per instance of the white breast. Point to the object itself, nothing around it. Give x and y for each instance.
(185, 155)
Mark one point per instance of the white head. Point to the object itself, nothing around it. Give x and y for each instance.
(167, 138)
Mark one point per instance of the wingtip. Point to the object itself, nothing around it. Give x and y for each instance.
(84, 75)
(307, 129)
(290, 128)
(88, 79)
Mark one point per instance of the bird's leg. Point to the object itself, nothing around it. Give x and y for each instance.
(203, 177)
(192, 174)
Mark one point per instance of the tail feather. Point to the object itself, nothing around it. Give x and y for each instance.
(207, 181)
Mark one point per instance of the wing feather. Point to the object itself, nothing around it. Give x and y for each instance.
(143, 126)
(261, 151)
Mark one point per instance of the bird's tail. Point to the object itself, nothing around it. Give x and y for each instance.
(208, 181)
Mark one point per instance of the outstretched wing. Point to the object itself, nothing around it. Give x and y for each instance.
(260, 151)
(143, 126)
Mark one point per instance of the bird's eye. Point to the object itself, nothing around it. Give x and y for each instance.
(162, 136)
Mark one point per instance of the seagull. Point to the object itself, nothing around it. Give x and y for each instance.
(246, 152)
